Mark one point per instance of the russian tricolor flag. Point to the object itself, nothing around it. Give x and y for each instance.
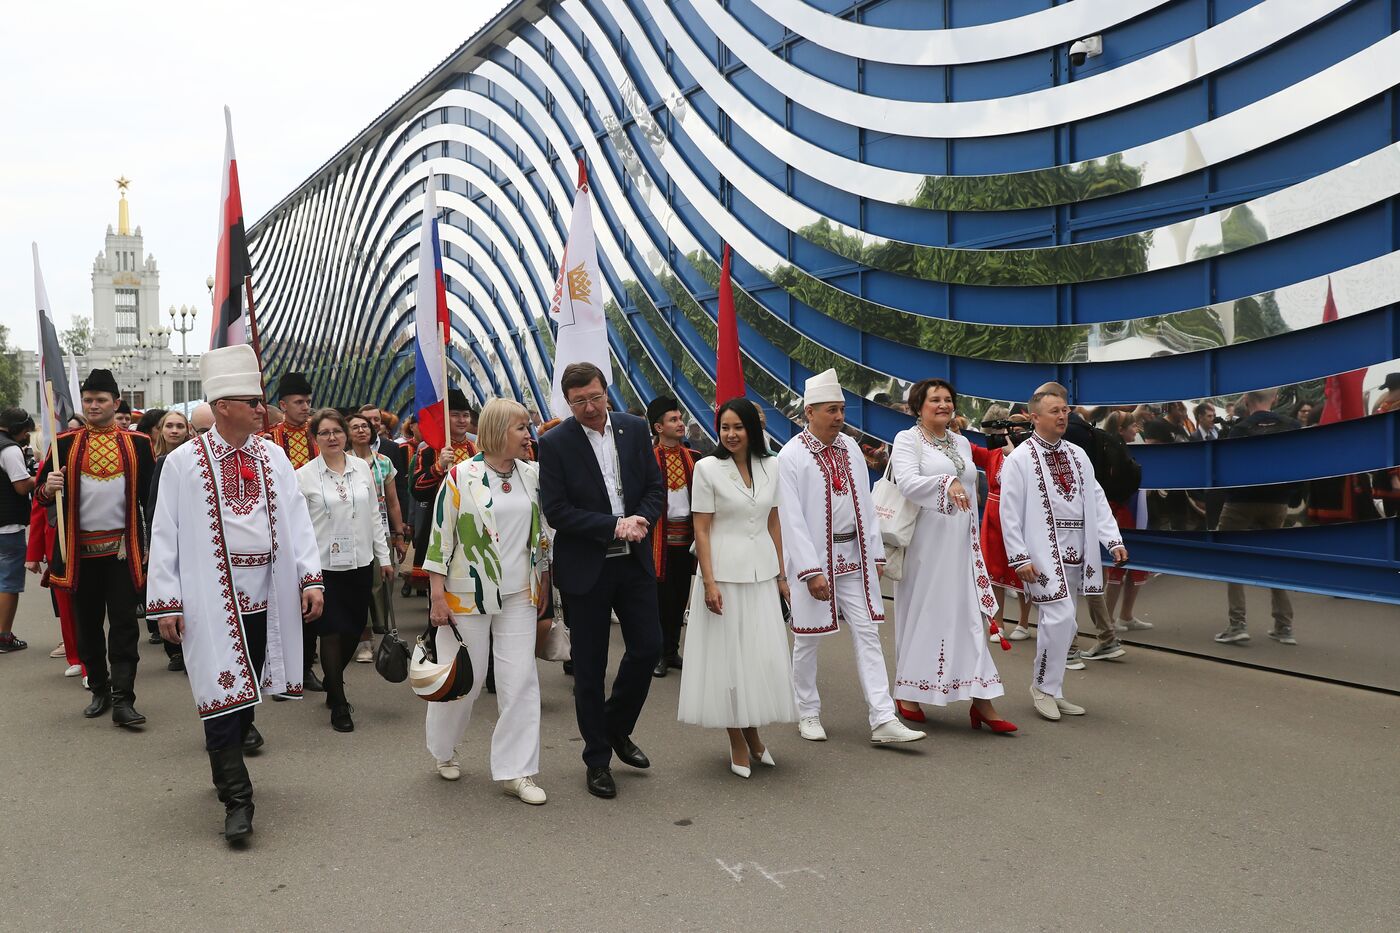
(431, 323)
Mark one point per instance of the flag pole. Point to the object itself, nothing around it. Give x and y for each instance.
(52, 428)
(257, 344)
(446, 414)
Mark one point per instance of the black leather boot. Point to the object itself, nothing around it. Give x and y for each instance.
(101, 701)
(311, 683)
(235, 792)
(252, 739)
(124, 696)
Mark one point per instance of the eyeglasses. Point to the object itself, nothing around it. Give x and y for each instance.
(589, 402)
(253, 403)
(331, 432)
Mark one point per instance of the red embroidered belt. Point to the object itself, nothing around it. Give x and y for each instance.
(250, 560)
(99, 543)
(843, 537)
(680, 532)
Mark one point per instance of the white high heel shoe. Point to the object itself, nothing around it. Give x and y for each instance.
(740, 769)
(764, 757)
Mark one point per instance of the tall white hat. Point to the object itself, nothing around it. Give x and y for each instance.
(823, 388)
(230, 371)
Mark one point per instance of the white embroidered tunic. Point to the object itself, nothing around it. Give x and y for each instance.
(824, 494)
(220, 508)
(1050, 505)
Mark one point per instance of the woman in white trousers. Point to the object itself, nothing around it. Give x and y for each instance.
(488, 572)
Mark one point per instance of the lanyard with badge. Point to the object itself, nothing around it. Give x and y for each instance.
(618, 547)
(342, 545)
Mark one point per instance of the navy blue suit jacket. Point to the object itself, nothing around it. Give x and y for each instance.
(575, 501)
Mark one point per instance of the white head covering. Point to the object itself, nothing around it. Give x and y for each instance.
(822, 388)
(230, 371)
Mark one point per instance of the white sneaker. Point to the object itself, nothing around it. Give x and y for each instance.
(366, 653)
(1068, 708)
(1132, 625)
(1073, 662)
(73, 671)
(1019, 633)
(810, 728)
(449, 770)
(894, 732)
(526, 789)
(1045, 704)
(59, 652)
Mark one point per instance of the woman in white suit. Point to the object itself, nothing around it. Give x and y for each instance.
(738, 674)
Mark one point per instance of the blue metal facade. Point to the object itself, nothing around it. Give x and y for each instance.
(958, 250)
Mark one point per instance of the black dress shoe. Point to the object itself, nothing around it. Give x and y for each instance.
(628, 752)
(101, 702)
(253, 740)
(340, 719)
(313, 683)
(674, 662)
(177, 663)
(660, 669)
(154, 638)
(125, 714)
(600, 783)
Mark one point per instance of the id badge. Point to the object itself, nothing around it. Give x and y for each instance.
(342, 552)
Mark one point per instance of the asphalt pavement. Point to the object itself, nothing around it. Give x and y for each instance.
(1193, 796)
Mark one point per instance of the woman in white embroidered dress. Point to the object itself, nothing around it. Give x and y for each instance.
(737, 671)
(344, 509)
(941, 604)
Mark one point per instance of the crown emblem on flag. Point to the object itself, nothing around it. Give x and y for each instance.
(579, 284)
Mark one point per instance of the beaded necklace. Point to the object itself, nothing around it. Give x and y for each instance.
(946, 446)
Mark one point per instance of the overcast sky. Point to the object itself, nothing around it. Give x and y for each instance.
(89, 92)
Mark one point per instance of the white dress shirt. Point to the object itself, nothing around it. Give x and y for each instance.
(344, 507)
(605, 449)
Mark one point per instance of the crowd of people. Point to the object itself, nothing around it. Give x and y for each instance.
(260, 542)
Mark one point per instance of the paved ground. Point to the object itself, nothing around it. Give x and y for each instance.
(1194, 796)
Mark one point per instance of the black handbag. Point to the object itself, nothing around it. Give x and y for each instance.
(441, 681)
(391, 657)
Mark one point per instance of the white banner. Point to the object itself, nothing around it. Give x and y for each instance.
(579, 295)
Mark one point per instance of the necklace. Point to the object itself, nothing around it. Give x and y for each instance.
(503, 477)
(945, 446)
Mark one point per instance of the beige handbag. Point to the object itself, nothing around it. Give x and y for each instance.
(555, 645)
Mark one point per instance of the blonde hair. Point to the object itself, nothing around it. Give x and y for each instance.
(493, 424)
(997, 412)
(159, 447)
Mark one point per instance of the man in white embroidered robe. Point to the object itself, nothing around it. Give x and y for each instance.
(832, 547)
(1050, 504)
(234, 572)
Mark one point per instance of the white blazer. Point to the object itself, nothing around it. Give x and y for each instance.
(741, 549)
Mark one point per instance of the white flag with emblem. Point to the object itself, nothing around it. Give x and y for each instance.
(577, 307)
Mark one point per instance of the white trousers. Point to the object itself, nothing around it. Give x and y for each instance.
(849, 593)
(1057, 627)
(510, 636)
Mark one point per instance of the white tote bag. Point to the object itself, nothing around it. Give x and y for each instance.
(896, 513)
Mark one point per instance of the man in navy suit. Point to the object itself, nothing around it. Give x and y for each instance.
(601, 490)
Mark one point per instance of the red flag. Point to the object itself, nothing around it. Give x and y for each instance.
(233, 270)
(1343, 392)
(729, 375)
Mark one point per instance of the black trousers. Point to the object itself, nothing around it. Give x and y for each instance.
(626, 588)
(228, 730)
(673, 597)
(105, 591)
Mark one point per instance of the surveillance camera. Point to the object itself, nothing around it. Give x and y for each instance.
(1084, 49)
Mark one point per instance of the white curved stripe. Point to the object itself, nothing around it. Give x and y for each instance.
(1237, 38)
(1296, 107)
(956, 46)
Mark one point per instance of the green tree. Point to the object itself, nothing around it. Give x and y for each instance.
(9, 370)
(77, 339)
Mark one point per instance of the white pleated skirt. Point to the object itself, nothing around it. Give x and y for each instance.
(738, 670)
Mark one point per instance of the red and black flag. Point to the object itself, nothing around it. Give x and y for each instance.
(233, 270)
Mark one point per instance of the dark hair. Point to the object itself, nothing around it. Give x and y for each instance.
(149, 420)
(1202, 408)
(1159, 431)
(578, 375)
(747, 413)
(328, 414)
(359, 416)
(918, 393)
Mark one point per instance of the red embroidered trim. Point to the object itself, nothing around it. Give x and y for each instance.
(249, 694)
(945, 688)
(250, 560)
(311, 579)
(164, 607)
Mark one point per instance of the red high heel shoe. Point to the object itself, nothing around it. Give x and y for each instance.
(913, 715)
(996, 725)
